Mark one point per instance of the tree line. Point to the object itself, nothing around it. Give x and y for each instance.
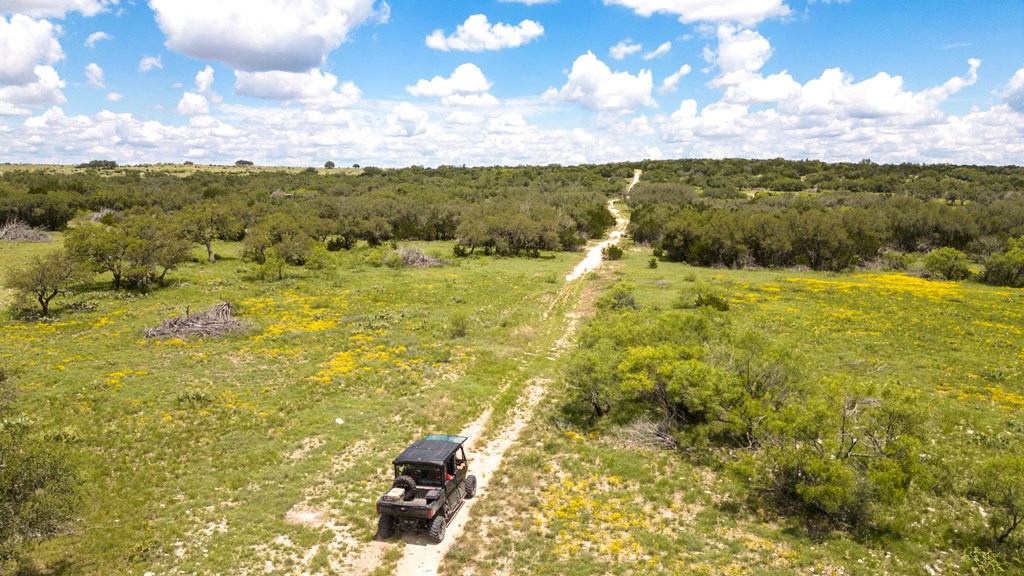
(824, 231)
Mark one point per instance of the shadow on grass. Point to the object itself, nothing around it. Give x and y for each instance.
(61, 568)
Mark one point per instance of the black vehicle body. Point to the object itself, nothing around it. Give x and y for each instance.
(431, 484)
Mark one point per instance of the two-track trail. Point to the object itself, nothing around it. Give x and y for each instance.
(419, 555)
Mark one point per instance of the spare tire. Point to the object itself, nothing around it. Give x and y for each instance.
(408, 484)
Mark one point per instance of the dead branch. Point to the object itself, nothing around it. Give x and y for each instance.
(16, 231)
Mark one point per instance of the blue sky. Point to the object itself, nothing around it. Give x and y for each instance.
(480, 82)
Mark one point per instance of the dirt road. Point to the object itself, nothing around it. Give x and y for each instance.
(419, 555)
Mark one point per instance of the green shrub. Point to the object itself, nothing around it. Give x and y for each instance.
(458, 324)
(272, 267)
(999, 482)
(982, 562)
(66, 435)
(191, 397)
(894, 260)
(612, 252)
(948, 263)
(838, 454)
(339, 243)
(702, 295)
(318, 258)
(1006, 269)
(619, 297)
(652, 263)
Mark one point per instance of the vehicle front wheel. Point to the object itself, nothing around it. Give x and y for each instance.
(470, 486)
(386, 526)
(437, 526)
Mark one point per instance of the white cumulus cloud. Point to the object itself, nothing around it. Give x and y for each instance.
(94, 74)
(312, 87)
(149, 62)
(477, 34)
(466, 79)
(624, 48)
(95, 37)
(55, 8)
(24, 44)
(671, 83)
(1014, 95)
(407, 120)
(18, 99)
(192, 104)
(114, 97)
(665, 48)
(198, 101)
(593, 84)
(747, 12)
(260, 35)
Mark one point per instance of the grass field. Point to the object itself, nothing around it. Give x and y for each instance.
(221, 455)
(245, 453)
(579, 500)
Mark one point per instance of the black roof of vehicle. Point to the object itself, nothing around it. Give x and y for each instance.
(433, 450)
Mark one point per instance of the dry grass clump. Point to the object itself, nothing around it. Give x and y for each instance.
(15, 231)
(212, 322)
(645, 433)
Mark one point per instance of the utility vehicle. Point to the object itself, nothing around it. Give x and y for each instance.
(431, 484)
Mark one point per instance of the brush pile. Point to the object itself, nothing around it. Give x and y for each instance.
(212, 322)
(415, 258)
(15, 231)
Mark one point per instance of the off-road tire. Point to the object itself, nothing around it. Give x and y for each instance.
(470, 486)
(437, 526)
(408, 484)
(386, 526)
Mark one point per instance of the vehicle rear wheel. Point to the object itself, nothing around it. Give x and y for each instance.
(437, 526)
(386, 526)
(470, 486)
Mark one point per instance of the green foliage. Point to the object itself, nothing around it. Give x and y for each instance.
(112, 249)
(999, 482)
(195, 398)
(984, 562)
(45, 278)
(1007, 268)
(612, 252)
(329, 165)
(833, 452)
(841, 452)
(100, 164)
(458, 324)
(203, 223)
(272, 267)
(318, 258)
(618, 297)
(702, 295)
(652, 263)
(136, 250)
(284, 235)
(948, 263)
(38, 488)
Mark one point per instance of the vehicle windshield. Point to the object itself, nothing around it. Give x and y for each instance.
(422, 475)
